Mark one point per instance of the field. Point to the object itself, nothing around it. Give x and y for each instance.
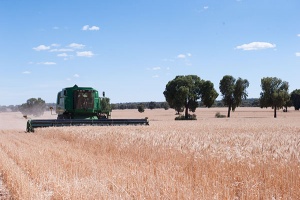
(248, 156)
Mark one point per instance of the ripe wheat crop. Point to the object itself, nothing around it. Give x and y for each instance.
(249, 156)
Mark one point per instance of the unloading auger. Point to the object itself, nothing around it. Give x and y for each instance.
(82, 106)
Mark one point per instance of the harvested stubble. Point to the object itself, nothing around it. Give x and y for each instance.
(238, 158)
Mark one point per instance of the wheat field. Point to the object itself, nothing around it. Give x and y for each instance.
(248, 156)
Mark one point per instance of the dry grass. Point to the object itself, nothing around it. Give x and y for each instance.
(249, 156)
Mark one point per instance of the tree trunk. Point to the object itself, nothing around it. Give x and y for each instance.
(275, 114)
(228, 113)
(186, 115)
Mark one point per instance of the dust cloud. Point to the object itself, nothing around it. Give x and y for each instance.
(16, 121)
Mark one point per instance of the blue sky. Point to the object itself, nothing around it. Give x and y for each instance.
(131, 49)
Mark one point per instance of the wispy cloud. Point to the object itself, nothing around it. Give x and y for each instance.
(203, 9)
(185, 58)
(85, 54)
(256, 46)
(76, 45)
(61, 50)
(41, 48)
(154, 68)
(168, 60)
(46, 63)
(181, 56)
(184, 55)
(76, 75)
(298, 35)
(90, 28)
(297, 54)
(55, 45)
(155, 76)
(62, 55)
(26, 72)
(65, 56)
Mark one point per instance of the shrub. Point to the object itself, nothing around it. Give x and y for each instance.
(218, 115)
(190, 117)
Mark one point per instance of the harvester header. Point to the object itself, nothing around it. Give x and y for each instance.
(79, 106)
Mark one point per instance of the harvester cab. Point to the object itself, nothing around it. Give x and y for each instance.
(77, 106)
(81, 103)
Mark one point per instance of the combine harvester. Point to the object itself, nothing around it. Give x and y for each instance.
(82, 106)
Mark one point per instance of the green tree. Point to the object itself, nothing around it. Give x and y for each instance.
(184, 91)
(141, 108)
(233, 91)
(165, 105)
(33, 106)
(287, 104)
(295, 98)
(274, 93)
(152, 105)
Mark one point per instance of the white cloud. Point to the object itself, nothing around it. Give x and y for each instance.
(85, 54)
(181, 56)
(184, 55)
(76, 46)
(26, 72)
(297, 54)
(61, 50)
(168, 60)
(41, 48)
(76, 75)
(156, 68)
(68, 79)
(256, 46)
(298, 35)
(46, 63)
(62, 55)
(205, 7)
(92, 28)
(85, 28)
(155, 76)
(55, 45)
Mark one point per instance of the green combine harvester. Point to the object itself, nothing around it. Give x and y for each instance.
(82, 106)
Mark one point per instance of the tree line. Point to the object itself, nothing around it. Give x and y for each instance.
(252, 102)
(183, 93)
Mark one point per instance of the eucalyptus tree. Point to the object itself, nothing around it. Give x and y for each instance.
(33, 106)
(185, 91)
(295, 98)
(233, 91)
(274, 93)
